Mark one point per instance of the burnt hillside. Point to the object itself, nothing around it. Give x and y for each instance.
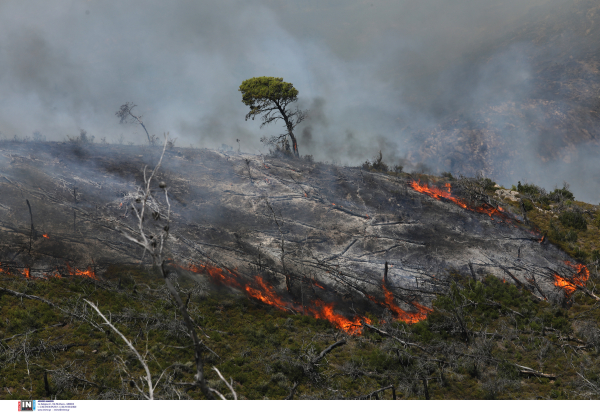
(295, 223)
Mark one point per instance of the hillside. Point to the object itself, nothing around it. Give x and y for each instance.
(432, 287)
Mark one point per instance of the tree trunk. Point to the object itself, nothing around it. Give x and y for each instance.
(290, 129)
(294, 143)
(385, 274)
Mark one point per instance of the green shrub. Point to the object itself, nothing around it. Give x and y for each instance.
(528, 205)
(378, 165)
(488, 184)
(83, 138)
(570, 236)
(574, 219)
(558, 195)
(529, 189)
(597, 220)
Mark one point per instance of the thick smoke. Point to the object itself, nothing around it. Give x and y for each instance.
(416, 80)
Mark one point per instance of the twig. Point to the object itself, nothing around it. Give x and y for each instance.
(528, 371)
(369, 395)
(32, 229)
(230, 386)
(142, 361)
(327, 350)
(292, 392)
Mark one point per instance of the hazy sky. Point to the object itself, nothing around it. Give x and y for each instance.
(367, 69)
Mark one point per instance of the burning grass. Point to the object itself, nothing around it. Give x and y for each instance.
(260, 290)
(264, 349)
(446, 193)
(577, 280)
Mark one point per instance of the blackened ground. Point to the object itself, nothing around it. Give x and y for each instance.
(268, 216)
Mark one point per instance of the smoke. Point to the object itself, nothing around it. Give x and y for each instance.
(436, 83)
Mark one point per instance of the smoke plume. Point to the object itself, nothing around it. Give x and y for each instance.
(465, 86)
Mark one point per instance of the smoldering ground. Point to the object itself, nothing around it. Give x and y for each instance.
(459, 86)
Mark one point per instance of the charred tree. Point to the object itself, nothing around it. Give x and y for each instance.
(125, 115)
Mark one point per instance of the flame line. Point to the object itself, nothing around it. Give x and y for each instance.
(439, 194)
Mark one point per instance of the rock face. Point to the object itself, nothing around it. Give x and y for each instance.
(508, 194)
(297, 224)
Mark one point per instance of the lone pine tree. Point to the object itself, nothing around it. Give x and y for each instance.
(270, 97)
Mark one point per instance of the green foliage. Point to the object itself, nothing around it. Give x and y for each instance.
(570, 236)
(259, 92)
(529, 189)
(558, 195)
(528, 205)
(574, 219)
(269, 97)
(378, 165)
(265, 351)
(488, 184)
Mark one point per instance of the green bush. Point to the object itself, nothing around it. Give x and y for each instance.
(528, 205)
(529, 189)
(488, 184)
(560, 194)
(574, 219)
(570, 236)
(378, 165)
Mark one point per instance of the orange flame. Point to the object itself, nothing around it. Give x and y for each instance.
(218, 275)
(46, 236)
(266, 294)
(317, 284)
(401, 314)
(258, 289)
(7, 270)
(322, 310)
(578, 279)
(89, 273)
(437, 193)
(2, 270)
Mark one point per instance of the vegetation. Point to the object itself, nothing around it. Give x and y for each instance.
(126, 115)
(378, 165)
(484, 340)
(572, 225)
(269, 97)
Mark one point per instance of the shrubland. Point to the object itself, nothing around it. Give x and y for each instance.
(484, 339)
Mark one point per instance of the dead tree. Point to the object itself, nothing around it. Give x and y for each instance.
(125, 116)
(153, 241)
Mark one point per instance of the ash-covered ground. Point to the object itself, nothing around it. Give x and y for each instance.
(313, 223)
